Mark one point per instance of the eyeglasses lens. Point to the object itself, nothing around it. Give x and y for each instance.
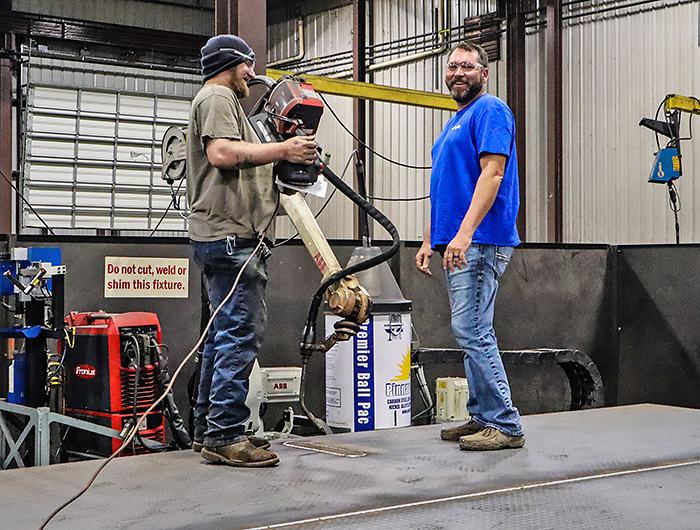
(467, 67)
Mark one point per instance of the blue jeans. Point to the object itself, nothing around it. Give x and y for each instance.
(233, 340)
(472, 293)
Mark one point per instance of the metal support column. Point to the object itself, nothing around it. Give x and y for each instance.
(36, 356)
(248, 20)
(515, 31)
(555, 177)
(6, 133)
(359, 73)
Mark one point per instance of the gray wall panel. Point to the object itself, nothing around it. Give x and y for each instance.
(549, 297)
(192, 17)
(659, 313)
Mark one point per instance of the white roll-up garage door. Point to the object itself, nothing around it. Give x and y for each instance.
(91, 150)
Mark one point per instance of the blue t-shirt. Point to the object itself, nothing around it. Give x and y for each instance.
(485, 126)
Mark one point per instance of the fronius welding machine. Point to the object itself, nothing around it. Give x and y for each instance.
(112, 365)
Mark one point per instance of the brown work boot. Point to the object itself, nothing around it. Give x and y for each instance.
(242, 454)
(490, 439)
(453, 434)
(262, 443)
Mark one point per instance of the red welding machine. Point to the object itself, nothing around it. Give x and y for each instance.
(112, 359)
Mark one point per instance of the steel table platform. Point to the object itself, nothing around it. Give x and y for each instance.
(623, 467)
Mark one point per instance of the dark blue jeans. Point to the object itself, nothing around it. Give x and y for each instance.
(233, 340)
(472, 293)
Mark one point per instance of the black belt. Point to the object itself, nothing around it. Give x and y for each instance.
(238, 242)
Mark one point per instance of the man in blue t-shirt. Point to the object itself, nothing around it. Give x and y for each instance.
(474, 204)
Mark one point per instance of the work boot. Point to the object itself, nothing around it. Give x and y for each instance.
(257, 442)
(260, 443)
(241, 454)
(490, 439)
(453, 434)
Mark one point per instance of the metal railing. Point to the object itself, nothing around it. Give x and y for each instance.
(39, 420)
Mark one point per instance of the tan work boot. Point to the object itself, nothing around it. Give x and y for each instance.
(490, 439)
(453, 434)
(242, 454)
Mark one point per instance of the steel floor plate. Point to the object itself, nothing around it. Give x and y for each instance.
(624, 467)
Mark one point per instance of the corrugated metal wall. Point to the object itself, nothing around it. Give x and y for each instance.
(413, 129)
(326, 33)
(398, 132)
(402, 133)
(536, 139)
(618, 67)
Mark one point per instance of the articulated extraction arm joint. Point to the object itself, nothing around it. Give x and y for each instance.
(344, 330)
(345, 296)
(347, 299)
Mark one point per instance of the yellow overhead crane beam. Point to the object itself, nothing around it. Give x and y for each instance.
(684, 103)
(355, 89)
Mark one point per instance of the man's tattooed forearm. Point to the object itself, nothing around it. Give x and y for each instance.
(244, 162)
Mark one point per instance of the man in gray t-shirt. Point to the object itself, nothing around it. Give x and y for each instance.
(233, 201)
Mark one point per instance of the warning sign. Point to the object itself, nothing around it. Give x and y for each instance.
(146, 277)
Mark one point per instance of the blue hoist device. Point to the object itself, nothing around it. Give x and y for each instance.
(667, 161)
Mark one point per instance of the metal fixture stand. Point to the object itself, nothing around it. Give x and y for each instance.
(40, 420)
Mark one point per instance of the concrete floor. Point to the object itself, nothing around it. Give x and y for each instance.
(625, 467)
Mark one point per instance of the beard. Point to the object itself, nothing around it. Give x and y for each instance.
(468, 94)
(240, 88)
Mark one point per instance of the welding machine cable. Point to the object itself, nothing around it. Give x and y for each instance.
(170, 410)
(151, 445)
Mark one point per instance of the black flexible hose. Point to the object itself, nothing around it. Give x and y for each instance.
(309, 329)
(309, 336)
(267, 82)
(321, 425)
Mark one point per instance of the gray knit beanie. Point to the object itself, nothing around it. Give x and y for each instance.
(223, 52)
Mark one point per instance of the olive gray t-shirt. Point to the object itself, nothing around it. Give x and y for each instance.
(225, 202)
